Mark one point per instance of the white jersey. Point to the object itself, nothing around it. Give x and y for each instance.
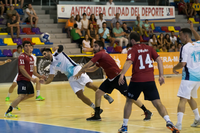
(190, 53)
(35, 59)
(61, 62)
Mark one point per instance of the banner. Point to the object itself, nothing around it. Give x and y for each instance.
(170, 59)
(9, 70)
(127, 13)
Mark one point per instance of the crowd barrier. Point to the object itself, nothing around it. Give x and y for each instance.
(9, 70)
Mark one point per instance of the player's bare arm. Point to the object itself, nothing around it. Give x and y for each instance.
(59, 48)
(124, 70)
(35, 73)
(24, 72)
(160, 68)
(92, 69)
(196, 35)
(4, 62)
(83, 70)
(49, 79)
(180, 65)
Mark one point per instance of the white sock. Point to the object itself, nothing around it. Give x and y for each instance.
(38, 93)
(125, 122)
(8, 94)
(179, 117)
(92, 105)
(196, 114)
(105, 94)
(166, 117)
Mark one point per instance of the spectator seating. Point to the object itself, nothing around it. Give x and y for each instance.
(194, 22)
(110, 50)
(36, 30)
(2, 43)
(28, 39)
(7, 52)
(18, 41)
(9, 41)
(1, 54)
(37, 41)
(37, 52)
(20, 11)
(52, 50)
(3, 33)
(146, 38)
(197, 19)
(28, 31)
(141, 39)
(165, 28)
(158, 29)
(63, 30)
(21, 32)
(171, 28)
(177, 28)
(198, 28)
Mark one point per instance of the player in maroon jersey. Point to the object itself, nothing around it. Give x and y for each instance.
(104, 60)
(25, 70)
(140, 56)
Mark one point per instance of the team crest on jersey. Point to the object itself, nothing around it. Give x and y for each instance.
(44, 67)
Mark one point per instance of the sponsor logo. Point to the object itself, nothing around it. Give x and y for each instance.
(170, 11)
(143, 51)
(44, 67)
(62, 9)
(23, 87)
(117, 61)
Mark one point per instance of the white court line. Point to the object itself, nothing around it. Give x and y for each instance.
(142, 126)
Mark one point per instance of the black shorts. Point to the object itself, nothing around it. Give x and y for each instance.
(148, 88)
(108, 86)
(25, 87)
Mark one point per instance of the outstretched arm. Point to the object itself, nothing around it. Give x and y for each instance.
(92, 69)
(59, 48)
(4, 62)
(196, 35)
(49, 80)
(124, 70)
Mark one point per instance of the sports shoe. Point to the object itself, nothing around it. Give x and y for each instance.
(10, 115)
(171, 127)
(17, 108)
(101, 110)
(196, 123)
(109, 98)
(94, 118)
(7, 99)
(123, 129)
(39, 98)
(148, 115)
(179, 126)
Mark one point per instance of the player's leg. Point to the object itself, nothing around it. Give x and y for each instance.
(123, 89)
(12, 87)
(38, 87)
(95, 88)
(151, 93)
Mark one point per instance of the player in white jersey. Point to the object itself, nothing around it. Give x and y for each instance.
(61, 62)
(190, 62)
(38, 85)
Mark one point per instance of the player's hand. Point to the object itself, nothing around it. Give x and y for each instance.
(161, 80)
(33, 80)
(78, 75)
(176, 72)
(121, 80)
(191, 24)
(42, 81)
(55, 48)
(44, 77)
(8, 60)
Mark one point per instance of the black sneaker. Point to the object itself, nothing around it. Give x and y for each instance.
(148, 115)
(101, 111)
(171, 127)
(94, 118)
(109, 98)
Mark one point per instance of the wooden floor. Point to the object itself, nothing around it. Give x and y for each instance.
(63, 108)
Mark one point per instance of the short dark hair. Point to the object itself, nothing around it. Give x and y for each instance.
(13, 15)
(84, 14)
(46, 49)
(117, 22)
(100, 14)
(100, 43)
(129, 45)
(146, 20)
(104, 23)
(134, 36)
(124, 22)
(172, 31)
(75, 25)
(19, 46)
(187, 31)
(26, 42)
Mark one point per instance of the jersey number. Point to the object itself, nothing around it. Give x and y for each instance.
(195, 55)
(147, 61)
(21, 61)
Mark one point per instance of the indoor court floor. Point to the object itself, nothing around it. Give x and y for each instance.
(63, 112)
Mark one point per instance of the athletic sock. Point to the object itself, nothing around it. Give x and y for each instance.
(38, 93)
(8, 95)
(92, 105)
(125, 122)
(166, 117)
(196, 114)
(9, 109)
(179, 117)
(143, 108)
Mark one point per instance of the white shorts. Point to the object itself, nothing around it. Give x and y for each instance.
(188, 89)
(15, 80)
(80, 83)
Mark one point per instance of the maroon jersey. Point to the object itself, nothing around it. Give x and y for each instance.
(104, 60)
(142, 55)
(28, 63)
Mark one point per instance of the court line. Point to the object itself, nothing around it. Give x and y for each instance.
(52, 125)
(143, 126)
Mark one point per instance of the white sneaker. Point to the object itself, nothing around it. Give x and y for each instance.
(179, 126)
(196, 123)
